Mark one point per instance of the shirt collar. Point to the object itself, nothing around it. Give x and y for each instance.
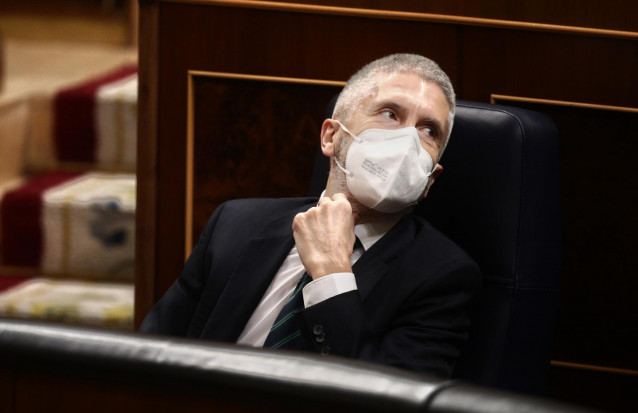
(371, 232)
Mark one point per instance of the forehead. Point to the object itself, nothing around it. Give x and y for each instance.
(411, 91)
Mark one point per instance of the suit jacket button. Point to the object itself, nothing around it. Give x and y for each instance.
(320, 338)
(317, 330)
(325, 350)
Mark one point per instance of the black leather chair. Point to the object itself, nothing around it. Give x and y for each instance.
(57, 368)
(499, 199)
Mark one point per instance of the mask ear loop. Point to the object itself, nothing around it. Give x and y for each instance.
(426, 186)
(356, 138)
(433, 169)
(344, 170)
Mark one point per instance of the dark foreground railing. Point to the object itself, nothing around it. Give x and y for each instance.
(47, 367)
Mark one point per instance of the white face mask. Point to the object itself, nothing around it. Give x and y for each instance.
(387, 170)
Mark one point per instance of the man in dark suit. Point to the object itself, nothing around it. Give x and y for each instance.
(354, 273)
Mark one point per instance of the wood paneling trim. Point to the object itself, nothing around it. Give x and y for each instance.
(190, 132)
(190, 164)
(590, 367)
(504, 99)
(133, 25)
(413, 16)
(267, 78)
(146, 217)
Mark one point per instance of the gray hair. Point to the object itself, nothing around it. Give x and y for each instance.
(363, 83)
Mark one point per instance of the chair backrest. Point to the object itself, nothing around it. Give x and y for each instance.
(499, 199)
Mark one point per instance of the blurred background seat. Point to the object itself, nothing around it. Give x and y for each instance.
(68, 137)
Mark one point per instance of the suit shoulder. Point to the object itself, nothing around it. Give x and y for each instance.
(263, 207)
(447, 263)
(430, 238)
(250, 215)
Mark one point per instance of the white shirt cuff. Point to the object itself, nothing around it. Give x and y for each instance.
(327, 287)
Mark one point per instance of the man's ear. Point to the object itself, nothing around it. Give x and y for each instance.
(329, 137)
(438, 170)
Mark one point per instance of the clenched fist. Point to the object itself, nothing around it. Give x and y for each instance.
(325, 236)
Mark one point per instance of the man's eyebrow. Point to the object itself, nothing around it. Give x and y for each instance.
(392, 104)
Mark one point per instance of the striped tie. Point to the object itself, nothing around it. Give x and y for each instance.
(286, 331)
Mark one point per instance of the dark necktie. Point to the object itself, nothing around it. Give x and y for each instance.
(286, 332)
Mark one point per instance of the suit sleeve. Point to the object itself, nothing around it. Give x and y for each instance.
(173, 313)
(424, 335)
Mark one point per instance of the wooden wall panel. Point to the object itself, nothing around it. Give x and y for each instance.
(228, 163)
(549, 66)
(147, 174)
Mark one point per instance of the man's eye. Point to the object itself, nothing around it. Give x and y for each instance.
(428, 131)
(388, 114)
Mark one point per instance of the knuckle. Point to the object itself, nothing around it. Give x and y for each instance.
(298, 219)
(344, 204)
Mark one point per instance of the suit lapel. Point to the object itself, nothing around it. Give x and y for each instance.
(257, 265)
(373, 264)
